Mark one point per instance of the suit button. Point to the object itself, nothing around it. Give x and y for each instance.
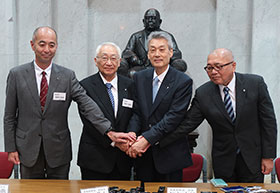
(40, 135)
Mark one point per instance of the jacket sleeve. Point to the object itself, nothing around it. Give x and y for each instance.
(10, 115)
(192, 120)
(87, 107)
(268, 122)
(135, 122)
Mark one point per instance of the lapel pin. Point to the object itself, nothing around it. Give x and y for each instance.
(125, 89)
(167, 87)
(244, 90)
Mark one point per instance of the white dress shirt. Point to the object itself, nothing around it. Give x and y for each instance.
(160, 77)
(38, 75)
(114, 90)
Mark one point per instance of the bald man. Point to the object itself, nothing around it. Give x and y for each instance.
(240, 112)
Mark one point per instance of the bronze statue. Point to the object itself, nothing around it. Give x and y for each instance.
(134, 56)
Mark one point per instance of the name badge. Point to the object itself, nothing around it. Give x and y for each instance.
(181, 190)
(59, 96)
(101, 189)
(4, 188)
(127, 103)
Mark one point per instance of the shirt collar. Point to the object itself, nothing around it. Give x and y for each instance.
(231, 84)
(40, 70)
(162, 75)
(114, 82)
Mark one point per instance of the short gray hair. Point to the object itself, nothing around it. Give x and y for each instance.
(161, 35)
(108, 43)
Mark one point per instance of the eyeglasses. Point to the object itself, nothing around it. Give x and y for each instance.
(113, 59)
(209, 68)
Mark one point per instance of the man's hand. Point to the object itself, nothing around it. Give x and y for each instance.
(123, 146)
(267, 166)
(138, 148)
(120, 137)
(133, 136)
(13, 157)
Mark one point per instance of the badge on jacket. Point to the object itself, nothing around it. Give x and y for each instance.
(59, 96)
(127, 103)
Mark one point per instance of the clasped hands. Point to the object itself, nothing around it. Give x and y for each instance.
(129, 143)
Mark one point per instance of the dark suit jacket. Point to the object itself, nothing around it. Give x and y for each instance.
(95, 152)
(26, 126)
(155, 120)
(136, 44)
(254, 132)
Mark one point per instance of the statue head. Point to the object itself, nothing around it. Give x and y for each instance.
(152, 20)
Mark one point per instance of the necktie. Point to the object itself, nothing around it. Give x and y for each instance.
(228, 104)
(109, 87)
(44, 90)
(155, 87)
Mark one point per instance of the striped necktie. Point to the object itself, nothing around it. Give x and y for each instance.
(44, 90)
(228, 104)
(109, 87)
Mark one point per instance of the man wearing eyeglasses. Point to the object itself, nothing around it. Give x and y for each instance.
(240, 112)
(99, 158)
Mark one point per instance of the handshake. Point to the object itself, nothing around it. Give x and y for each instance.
(129, 143)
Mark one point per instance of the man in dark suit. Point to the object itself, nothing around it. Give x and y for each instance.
(98, 158)
(162, 98)
(38, 96)
(239, 110)
(135, 53)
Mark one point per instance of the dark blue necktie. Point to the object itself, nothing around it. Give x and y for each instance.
(228, 104)
(109, 87)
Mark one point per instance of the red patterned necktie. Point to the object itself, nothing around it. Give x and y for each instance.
(44, 90)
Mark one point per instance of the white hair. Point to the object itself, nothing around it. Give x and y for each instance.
(108, 43)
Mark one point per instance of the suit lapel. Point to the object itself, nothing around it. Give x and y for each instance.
(53, 83)
(217, 100)
(122, 93)
(240, 91)
(148, 81)
(166, 85)
(30, 78)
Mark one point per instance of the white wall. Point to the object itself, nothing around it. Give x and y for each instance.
(249, 28)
